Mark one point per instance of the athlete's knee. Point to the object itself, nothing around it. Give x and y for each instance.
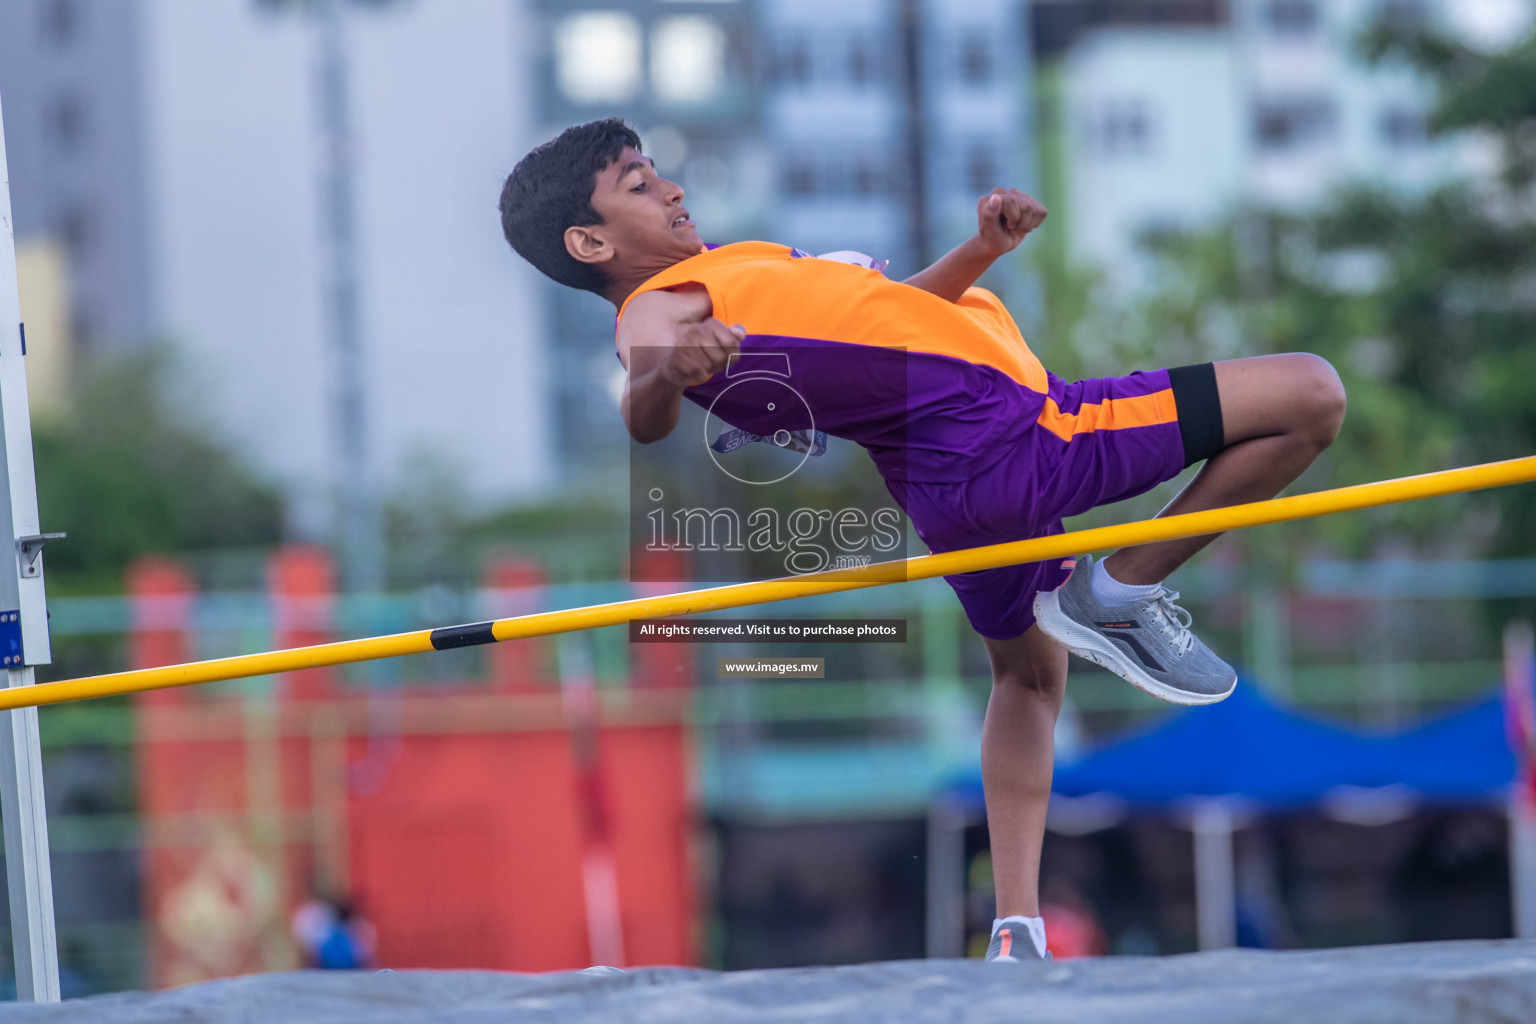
(1030, 665)
(1035, 680)
(1319, 400)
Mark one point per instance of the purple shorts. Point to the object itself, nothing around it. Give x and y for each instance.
(1096, 442)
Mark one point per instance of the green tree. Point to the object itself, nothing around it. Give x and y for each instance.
(129, 473)
(1425, 304)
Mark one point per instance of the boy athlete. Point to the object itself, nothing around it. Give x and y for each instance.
(976, 441)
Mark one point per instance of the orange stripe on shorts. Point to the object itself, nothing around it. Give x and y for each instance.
(1111, 414)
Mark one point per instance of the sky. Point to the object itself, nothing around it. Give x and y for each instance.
(1493, 23)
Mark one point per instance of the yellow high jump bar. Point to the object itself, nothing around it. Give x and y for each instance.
(1194, 524)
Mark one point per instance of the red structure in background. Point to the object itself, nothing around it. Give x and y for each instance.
(451, 812)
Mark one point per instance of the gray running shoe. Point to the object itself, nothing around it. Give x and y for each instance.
(1146, 643)
(1013, 944)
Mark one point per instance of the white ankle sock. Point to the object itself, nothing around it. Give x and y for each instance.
(1111, 592)
(1034, 925)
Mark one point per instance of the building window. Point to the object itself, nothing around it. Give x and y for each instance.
(976, 60)
(832, 172)
(1292, 18)
(792, 61)
(862, 66)
(708, 172)
(82, 327)
(799, 177)
(1404, 128)
(1119, 128)
(983, 170)
(77, 229)
(869, 177)
(688, 56)
(60, 21)
(597, 57)
(65, 119)
(1294, 123)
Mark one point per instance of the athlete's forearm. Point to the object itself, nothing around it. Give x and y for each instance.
(651, 406)
(956, 271)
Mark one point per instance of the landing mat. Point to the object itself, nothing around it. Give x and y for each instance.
(1465, 982)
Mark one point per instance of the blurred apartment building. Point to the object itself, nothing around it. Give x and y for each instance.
(871, 125)
(682, 75)
(1167, 114)
(889, 118)
(174, 152)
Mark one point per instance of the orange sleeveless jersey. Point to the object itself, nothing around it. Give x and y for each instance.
(772, 291)
(929, 387)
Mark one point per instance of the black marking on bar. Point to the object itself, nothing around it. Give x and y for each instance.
(23, 338)
(470, 635)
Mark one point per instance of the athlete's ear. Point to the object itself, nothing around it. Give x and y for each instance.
(587, 245)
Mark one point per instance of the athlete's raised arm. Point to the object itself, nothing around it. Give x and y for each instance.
(1003, 219)
(669, 341)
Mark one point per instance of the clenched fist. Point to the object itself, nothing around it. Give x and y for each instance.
(702, 350)
(1005, 217)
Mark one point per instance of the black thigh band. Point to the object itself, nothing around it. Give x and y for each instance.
(1199, 405)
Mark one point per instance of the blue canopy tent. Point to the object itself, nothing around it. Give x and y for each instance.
(1249, 751)
(1462, 755)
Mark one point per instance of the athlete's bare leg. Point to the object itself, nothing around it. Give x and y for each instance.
(1279, 413)
(1029, 679)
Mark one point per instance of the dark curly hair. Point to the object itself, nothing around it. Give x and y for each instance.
(550, 190)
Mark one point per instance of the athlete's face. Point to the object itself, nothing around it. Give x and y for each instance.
(645, 226)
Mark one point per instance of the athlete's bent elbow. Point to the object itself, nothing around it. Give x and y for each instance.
(643, 438)
(648, 432)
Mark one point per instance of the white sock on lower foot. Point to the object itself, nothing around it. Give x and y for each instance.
(1034, 925)
(1111, 592)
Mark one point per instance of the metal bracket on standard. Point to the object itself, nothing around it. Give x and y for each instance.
(28, 548)
(10, 639)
